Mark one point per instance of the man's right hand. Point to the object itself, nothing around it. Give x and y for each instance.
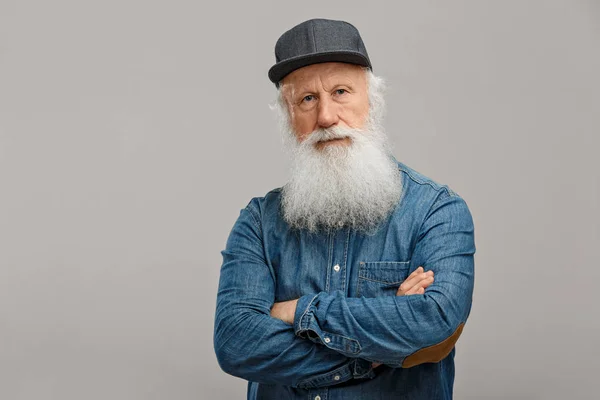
(416, 283)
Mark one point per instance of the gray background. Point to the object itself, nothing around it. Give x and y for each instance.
(133, 132)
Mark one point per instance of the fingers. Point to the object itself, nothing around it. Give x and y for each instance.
(413, 279)
(415, 290)
(419, 288)
(416, 282)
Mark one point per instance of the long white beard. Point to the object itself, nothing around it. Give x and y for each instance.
(356, 185)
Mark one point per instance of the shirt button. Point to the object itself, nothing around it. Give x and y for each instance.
(327, 340)
(317, 397)
(336, 267)
(337, 377)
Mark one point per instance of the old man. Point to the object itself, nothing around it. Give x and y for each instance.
(353, 280)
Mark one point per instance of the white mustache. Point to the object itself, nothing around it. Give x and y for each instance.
(321, 135)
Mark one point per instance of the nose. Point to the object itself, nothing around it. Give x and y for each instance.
(328, 113)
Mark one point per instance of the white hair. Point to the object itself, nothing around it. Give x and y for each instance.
(356, 185)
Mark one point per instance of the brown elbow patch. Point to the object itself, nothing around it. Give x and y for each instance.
(435, 353)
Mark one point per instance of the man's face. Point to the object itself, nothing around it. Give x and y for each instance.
(342, 169)
(325, 95)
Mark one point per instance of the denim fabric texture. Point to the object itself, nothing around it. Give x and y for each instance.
(348, 314)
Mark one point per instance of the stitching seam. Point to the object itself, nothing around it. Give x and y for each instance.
(305, 311)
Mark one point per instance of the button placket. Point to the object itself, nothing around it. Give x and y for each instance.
(338, 254)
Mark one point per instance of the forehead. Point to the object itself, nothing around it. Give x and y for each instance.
(323, 76)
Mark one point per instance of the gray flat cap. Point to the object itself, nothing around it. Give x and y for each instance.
(317, 41)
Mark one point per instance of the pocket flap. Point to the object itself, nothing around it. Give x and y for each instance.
(392, 272)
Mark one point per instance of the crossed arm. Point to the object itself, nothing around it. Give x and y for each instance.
(415, 283)
(333, 336)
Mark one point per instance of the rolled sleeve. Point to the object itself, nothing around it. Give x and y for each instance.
(306, 326)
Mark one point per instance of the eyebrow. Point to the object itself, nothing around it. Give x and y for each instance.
(337, 82)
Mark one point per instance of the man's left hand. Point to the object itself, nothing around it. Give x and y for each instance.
(284, 311)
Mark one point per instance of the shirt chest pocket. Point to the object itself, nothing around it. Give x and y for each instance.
(381, 278)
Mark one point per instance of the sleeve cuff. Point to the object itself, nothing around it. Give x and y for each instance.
(306, 326)
(302, 318)
(363, 369)
(355, 369)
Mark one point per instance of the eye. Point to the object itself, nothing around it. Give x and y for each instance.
(308, 98)
(340, 91)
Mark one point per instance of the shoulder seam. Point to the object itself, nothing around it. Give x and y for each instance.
(430, 183)
(253, 213)
(439, 197)
(435, 185)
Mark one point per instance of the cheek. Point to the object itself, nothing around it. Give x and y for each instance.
(356, 116)
(303, 123)
(362, 111)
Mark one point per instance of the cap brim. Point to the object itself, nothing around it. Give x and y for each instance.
(281, 69)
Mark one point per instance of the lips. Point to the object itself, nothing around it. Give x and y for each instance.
(331, 140)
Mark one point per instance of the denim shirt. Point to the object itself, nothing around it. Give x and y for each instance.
(348, 314)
